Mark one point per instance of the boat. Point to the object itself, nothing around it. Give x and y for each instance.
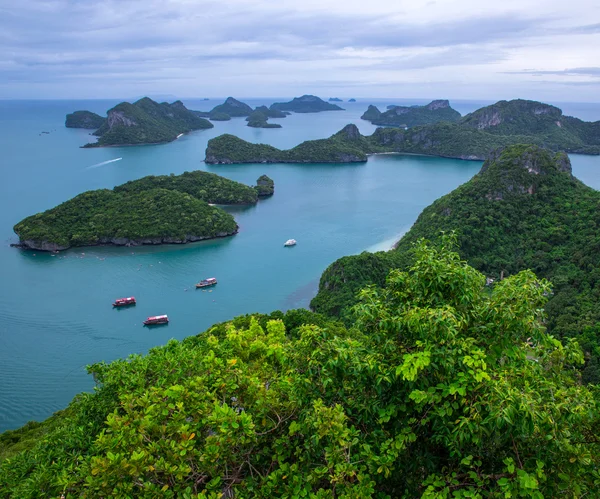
(205, 283)
(157, 319)
(123, 302)
(290, 242)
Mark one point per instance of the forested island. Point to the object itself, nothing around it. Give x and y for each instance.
(524, 210)
(258, 118)
(84, 119)
(305, 104)
(346, 146)
(472, 137)
(151, 210)
(409, 116)
(143, 122)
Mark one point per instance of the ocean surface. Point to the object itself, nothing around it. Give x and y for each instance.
(55, 310)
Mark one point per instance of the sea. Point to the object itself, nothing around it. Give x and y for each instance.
(56, 315)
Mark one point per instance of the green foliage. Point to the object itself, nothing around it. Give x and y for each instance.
(84, 119)
(218, 116)
(305, 104)
(147, 122)
(104, 216)
(231, 107)
(205, 186)
(410, 116)
(348, 145)
(265, 186)
(507, 218)
(441, 388)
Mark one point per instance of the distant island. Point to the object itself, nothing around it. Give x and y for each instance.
(151, 210)
(335, 99)
(231, 108)
(305, 104)
(409, 116)
(84, 119)
(259, 117)
(143, 122)
(346, 146)
(352, 100)
(473, 137)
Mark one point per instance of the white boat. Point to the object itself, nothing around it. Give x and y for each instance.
(290, 242)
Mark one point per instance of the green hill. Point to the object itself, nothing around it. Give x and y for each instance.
(147, 122)
(305, 104)
(524, 210)
(409, 116)
(346, 146)
(84, 119)
(233, 108)
(151, 210)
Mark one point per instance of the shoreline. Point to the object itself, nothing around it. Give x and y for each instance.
(53, 248)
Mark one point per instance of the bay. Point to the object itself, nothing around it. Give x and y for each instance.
(55, 310)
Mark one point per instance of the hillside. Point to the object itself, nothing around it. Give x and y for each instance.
(233, 108)
(346, 146)
(524, 210)
(409, 116)
(147, 122)
(151, 210)
(84, 119)
(258, 118)
(305, 104)
(439, 385)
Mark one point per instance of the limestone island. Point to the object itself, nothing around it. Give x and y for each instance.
(143, 122)
(84, 119)
(409, 116)
(346, 146)
(259, 117)
(265, 187)
(472, 137)
(305, 104)
(151, 210)
(231, 108)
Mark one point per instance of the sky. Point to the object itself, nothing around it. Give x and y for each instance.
(461, 49)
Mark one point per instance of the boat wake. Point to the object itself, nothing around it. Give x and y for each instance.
(97, 165)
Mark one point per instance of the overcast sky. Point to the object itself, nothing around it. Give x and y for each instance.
(462, 49)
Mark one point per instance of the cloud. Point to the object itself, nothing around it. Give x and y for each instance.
(193, 47)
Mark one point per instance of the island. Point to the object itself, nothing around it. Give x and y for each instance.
(472, 138)
(146, 122)
(231, 108)
(218, 116)
(259, 117)
(170, 209)
(523, 210)
(409, 116)
(305, 104)
(84, 119)
(265, 187)
(346, 146)
(351, 100)
(335, 99)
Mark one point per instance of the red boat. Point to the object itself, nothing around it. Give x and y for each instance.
(123, 302)
(157, 319)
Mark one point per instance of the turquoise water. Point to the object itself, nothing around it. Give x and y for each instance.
(55, 311)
